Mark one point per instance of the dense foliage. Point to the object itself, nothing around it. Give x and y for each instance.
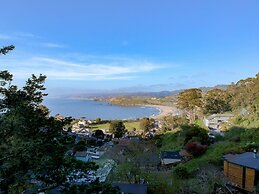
(194, 133)
(190, 101)
(172, 122)
(33, 146)
(217, 101)
(117, 128)
(146, 124)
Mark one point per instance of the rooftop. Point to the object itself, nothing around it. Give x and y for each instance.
(81, 154)
(220, 115)
(246, 159)
(132, 188)
(170, 155)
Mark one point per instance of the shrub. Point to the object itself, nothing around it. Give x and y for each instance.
(251, 146)
(195, 148)
(197, 132)
(234, 150)
(181, 172)
(175, 121)
(98, 134)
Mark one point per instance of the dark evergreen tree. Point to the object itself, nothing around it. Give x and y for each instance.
(33, 145)
(117, 128)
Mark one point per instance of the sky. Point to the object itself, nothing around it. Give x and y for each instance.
(85, 46)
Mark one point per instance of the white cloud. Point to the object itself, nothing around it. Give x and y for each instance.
(26, 35)
(5, 37)
(18, 36)
(52, 45)
(60, 69)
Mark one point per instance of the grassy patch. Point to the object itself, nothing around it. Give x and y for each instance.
(130, 125)
(172, 141)
(200, 123)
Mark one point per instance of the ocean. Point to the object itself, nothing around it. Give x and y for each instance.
(93, 109)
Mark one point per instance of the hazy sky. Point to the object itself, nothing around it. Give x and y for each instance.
(130, 45)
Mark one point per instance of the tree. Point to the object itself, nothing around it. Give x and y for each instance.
(98, 120)
(6, 49)
(134, 160)
(217, 101)
(195, 133)
(32, 144)
(181, 172)
(146, 124)
(80, 146)
(98, 134)
(172, 122)
(190, 100)
(117, 128)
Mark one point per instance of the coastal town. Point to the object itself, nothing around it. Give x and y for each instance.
(174, 145)
(110, 152)
(129, 97)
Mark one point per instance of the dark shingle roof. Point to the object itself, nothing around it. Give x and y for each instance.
(132, 188)
(170, 155)
(246, 159)
(81, 154)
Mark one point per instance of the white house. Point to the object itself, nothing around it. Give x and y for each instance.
(80, 126)
(3, 111)
(213, 121)
(2, 83)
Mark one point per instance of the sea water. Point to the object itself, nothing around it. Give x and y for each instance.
(91, 109)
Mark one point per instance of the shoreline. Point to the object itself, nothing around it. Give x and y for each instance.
(164, 111)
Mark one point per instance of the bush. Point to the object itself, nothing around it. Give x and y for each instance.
(234, 150)
(251, 146)
(195, 148)
(80, 146)
(181, 172)
(175, 121)
(194, 131)
(98, 134)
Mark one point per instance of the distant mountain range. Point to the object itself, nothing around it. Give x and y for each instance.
(160, 94)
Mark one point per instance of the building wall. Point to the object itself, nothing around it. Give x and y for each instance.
(250, 176)
(84, 159)
(241, 176)
(169, 161)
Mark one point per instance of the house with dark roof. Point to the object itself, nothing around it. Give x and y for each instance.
(83, 156)
(170, 158)
(127, 188)
(242, 169)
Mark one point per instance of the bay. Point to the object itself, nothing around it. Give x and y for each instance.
(93, 109)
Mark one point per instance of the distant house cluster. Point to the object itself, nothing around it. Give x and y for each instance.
(81, 126)
(213, 122)
(3, 110)
(2, 83)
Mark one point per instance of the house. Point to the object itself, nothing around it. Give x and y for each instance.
(2, 83)
(213, 121)
(126, 188)
(83, 156)
(170, 158)
(242, 169)
(59, 117)
(3, 111)
(80, 126)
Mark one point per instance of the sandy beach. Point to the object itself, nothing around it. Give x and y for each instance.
(164, 110)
